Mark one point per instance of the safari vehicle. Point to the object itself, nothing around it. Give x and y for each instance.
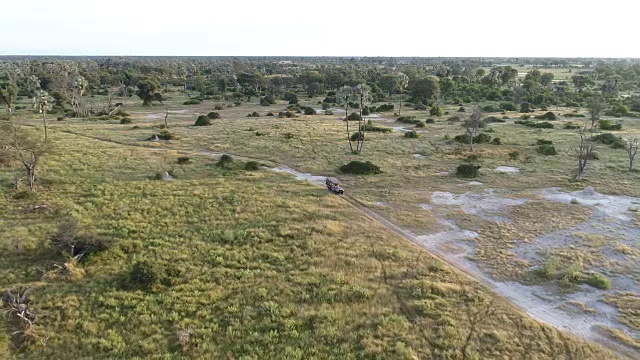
(334, 186)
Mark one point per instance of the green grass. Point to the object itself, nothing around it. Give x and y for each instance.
(262, 266)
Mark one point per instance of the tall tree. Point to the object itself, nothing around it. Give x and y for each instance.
(595, 106)
(584, 152)
(424, 89)
(41, 104)
(472, 125)
(344, 95)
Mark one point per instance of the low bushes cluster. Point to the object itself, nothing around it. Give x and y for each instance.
(535, 124)
(202, 121)
(467, 171)
(609, 139)
(411, 134)
(608, 125)
(408, 120)
(546, 116)
(547, 150)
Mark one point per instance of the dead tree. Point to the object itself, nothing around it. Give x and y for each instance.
(632, 149)
(584, 152)
(41, 104)
(166, 116)
(24, 146)
(472, 124)
(343, 96)
(596, 106)
(18, 304)
(478, 310)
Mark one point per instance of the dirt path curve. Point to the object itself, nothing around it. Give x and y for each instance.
(535, 307)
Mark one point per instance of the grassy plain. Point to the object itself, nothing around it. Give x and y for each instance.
(259, 265)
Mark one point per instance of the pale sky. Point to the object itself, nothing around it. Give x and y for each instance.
(538, 28)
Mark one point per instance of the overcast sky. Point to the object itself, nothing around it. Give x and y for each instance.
(558, 28)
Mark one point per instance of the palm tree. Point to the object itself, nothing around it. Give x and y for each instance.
(41, 104)
(343, 96)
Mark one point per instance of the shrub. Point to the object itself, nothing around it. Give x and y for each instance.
(287, 114)
(226, 162)
(73, 241)
(366, 111)
(184, 160)
(461, 109)
(544, 142)
(454, 118)
(60, 118)
(202, 121)
(258, 133)
(309, 110)
(252, 166)
(291, 97)
(472, 158)
(482, 138)
(330, 100)
(493, 119)
(192, 102)
(496, 141)
(411, 134)
(355, 136)
(608, 125)
(534, 124)
(420, 107)
(514, 155)
(360, 168)
(328, 112)
(125, 121)
(213, 115)
(547, 116)
(508, 106)
(385, 107)
(617, 110)
(267, 100)
(430, 121)
(408, 120)
(218, 107)
(288, 136)
(325, 106)
(467, 170)
(490, 108)
(525, 107)
(572, 104)
(373, 128)
(609, 139)
(353, 116)
(166, 135)
(253, 114)
(420, 124)
(525, 117)
(435, 110)
(547, 150)
(571, 126)
(599, 281)
(145, 274)
(269, 114)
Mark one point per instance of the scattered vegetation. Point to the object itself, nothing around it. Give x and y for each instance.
(360, 168)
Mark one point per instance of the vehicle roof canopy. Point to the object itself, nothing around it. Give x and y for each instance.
(333, 180)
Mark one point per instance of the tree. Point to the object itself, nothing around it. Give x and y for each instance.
(584, 152)
(388, 83)
(147, 89)
(79, 87)
(343, 96)
(546, 79)
(595, 106)
(424, 89)
(8, 94)
(315, 89)
(41, 104)
(633, 144)
(25, 146)
(403, 82)
(472, 124)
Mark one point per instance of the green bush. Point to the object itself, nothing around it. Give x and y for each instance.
(544, 142)
(547, 150)
(461, 109)
(493, 119)
(253, 114)
(547, 116)
(354, 116)
(525, 107)
(617, 110)
(373, 128)
(467, 170)
(125, 121)
(496, 141)
(514, 155)
(408, 120)
(609, 139)
(385, 107)
(252, 166)
(608, 125)
(420, 124)
(411, 134)
(192, 102)
(184, 160)
(454, 119)
(226, 162)
(218, 107)
(145, 274)
(508, 106)
(355, 136)
(598, 281)
(309, 110)
(482, 138)
(571, 126)
(360, 168)
(420, 107)
(166, 135)
(535, 124)
(213, 115)
(435, 110)
(202, 121)
(525, 117)
(430, 121)
(269, 114)
(490, 108)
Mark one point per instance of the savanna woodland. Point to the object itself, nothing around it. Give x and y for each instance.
(490, 208)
